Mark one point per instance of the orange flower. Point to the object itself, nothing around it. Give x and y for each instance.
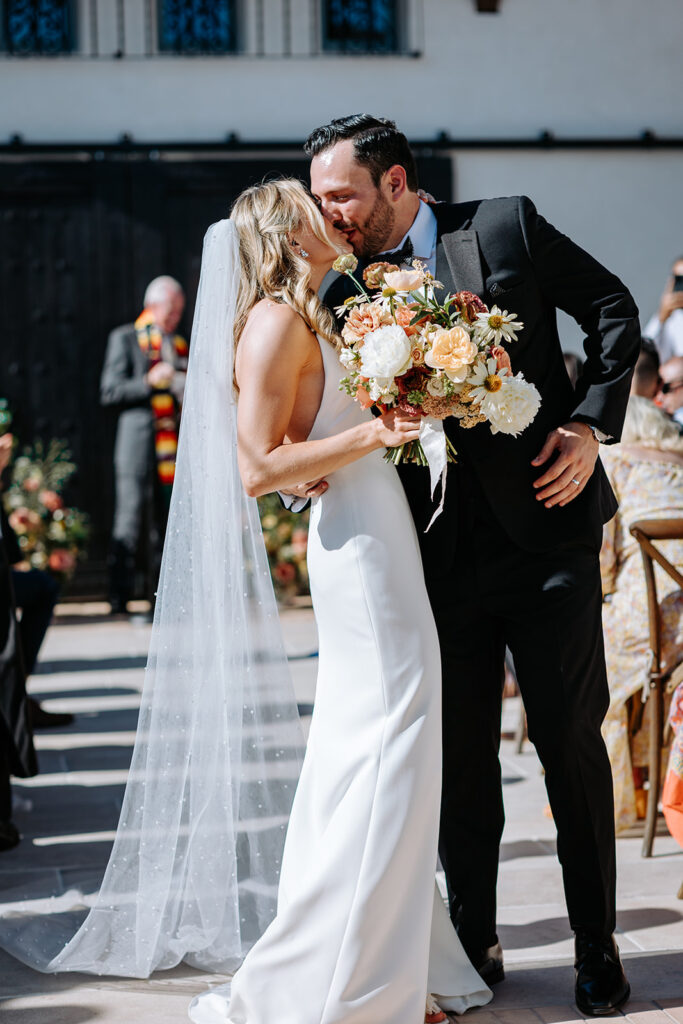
(502, 358)
(363, 397)
(361, 321)
(62, 560)
(51, 500)
(403, 315)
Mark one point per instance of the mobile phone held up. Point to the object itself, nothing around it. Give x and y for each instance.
(678, 283)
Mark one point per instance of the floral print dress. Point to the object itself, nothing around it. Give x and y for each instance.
(647, 486)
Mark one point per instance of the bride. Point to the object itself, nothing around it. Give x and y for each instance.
(344, 925)
(360, 933)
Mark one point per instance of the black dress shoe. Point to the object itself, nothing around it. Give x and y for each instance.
(42, 719)
(490, 965)
(601, 985)
(9, 837)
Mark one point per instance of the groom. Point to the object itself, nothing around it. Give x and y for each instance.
(513, 559)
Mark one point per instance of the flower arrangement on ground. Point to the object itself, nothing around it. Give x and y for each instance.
(286, 538)
(51, 535)
(401, 347)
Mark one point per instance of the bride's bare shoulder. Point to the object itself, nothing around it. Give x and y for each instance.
(274, 335)
(276, 319)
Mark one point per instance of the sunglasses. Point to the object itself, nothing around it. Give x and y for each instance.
(671, 385)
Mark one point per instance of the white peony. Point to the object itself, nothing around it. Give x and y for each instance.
(385, 353)
(512, 407)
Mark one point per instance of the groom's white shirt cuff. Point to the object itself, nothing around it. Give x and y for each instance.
(292, 503)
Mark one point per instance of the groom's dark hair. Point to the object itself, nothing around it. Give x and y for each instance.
(377, 143)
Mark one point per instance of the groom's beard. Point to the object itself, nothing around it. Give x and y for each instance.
(376, 230)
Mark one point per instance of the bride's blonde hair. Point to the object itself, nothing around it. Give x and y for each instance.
(266, 217)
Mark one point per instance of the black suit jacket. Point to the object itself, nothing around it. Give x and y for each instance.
(505, 252)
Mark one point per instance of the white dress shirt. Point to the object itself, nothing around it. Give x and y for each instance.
(422, 234)
(667, 336)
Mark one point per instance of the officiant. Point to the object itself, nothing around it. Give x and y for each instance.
(143, 378)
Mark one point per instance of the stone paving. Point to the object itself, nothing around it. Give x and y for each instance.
(93, 666)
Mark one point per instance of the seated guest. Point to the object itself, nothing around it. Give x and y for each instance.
(672, 794)
(646, 381)
(646, 472)
(670, 395)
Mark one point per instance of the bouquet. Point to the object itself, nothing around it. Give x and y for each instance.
(401, 347)
(51, 535)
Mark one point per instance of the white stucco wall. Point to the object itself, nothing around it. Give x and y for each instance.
(624, 207)
(578, 67)
(583, 68)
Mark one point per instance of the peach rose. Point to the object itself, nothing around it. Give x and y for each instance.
(403, 315)
(452, 351)
(404, 280)
(51, 500)
(362, 320)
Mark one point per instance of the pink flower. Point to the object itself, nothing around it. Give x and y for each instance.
(31, 484)
(61, 560)
(23, 519)
(51, 500)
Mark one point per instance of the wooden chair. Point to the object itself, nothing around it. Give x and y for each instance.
(646, 531)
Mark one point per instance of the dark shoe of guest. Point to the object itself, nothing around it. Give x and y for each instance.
(490, 965)
(601, 985)
(42, 719)
(117, 606)
(9, 837)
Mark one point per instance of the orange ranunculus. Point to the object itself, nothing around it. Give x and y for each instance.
(363, 397)
(452, 351)
(403, 315)
(361, 321)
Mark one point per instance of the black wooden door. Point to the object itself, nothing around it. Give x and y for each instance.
(80, 238)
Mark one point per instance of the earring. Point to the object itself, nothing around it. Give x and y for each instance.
(304, 253)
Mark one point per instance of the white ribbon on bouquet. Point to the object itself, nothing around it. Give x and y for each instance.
(433, 441)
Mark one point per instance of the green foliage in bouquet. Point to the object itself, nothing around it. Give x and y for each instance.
(286, 538)
(51, 535)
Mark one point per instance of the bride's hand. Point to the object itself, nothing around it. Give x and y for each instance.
(397, 427)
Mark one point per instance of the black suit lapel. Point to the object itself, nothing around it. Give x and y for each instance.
(458, 258)
(458, 262)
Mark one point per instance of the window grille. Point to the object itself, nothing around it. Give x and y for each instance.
(361, 26)
(37, 26)
(197, 26)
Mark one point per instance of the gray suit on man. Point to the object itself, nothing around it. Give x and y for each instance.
(123, 386)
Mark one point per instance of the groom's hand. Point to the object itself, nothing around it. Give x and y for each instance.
(577, 453)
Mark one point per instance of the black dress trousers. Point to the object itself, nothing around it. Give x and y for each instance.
(486, 593)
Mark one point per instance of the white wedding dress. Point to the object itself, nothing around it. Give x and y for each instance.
(361, 934)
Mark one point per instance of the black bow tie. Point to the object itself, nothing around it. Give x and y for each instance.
(398, 256)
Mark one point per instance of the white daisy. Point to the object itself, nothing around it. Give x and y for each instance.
(497, 325)
(485, 378)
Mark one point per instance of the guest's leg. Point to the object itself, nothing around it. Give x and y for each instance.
(128, 517)
(555, 635)
(36, 595)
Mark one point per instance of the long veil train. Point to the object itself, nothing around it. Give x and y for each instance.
(194, 869)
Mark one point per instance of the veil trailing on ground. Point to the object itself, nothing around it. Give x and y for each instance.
(194, 869)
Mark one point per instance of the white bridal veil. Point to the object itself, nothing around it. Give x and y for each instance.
(194, 869)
